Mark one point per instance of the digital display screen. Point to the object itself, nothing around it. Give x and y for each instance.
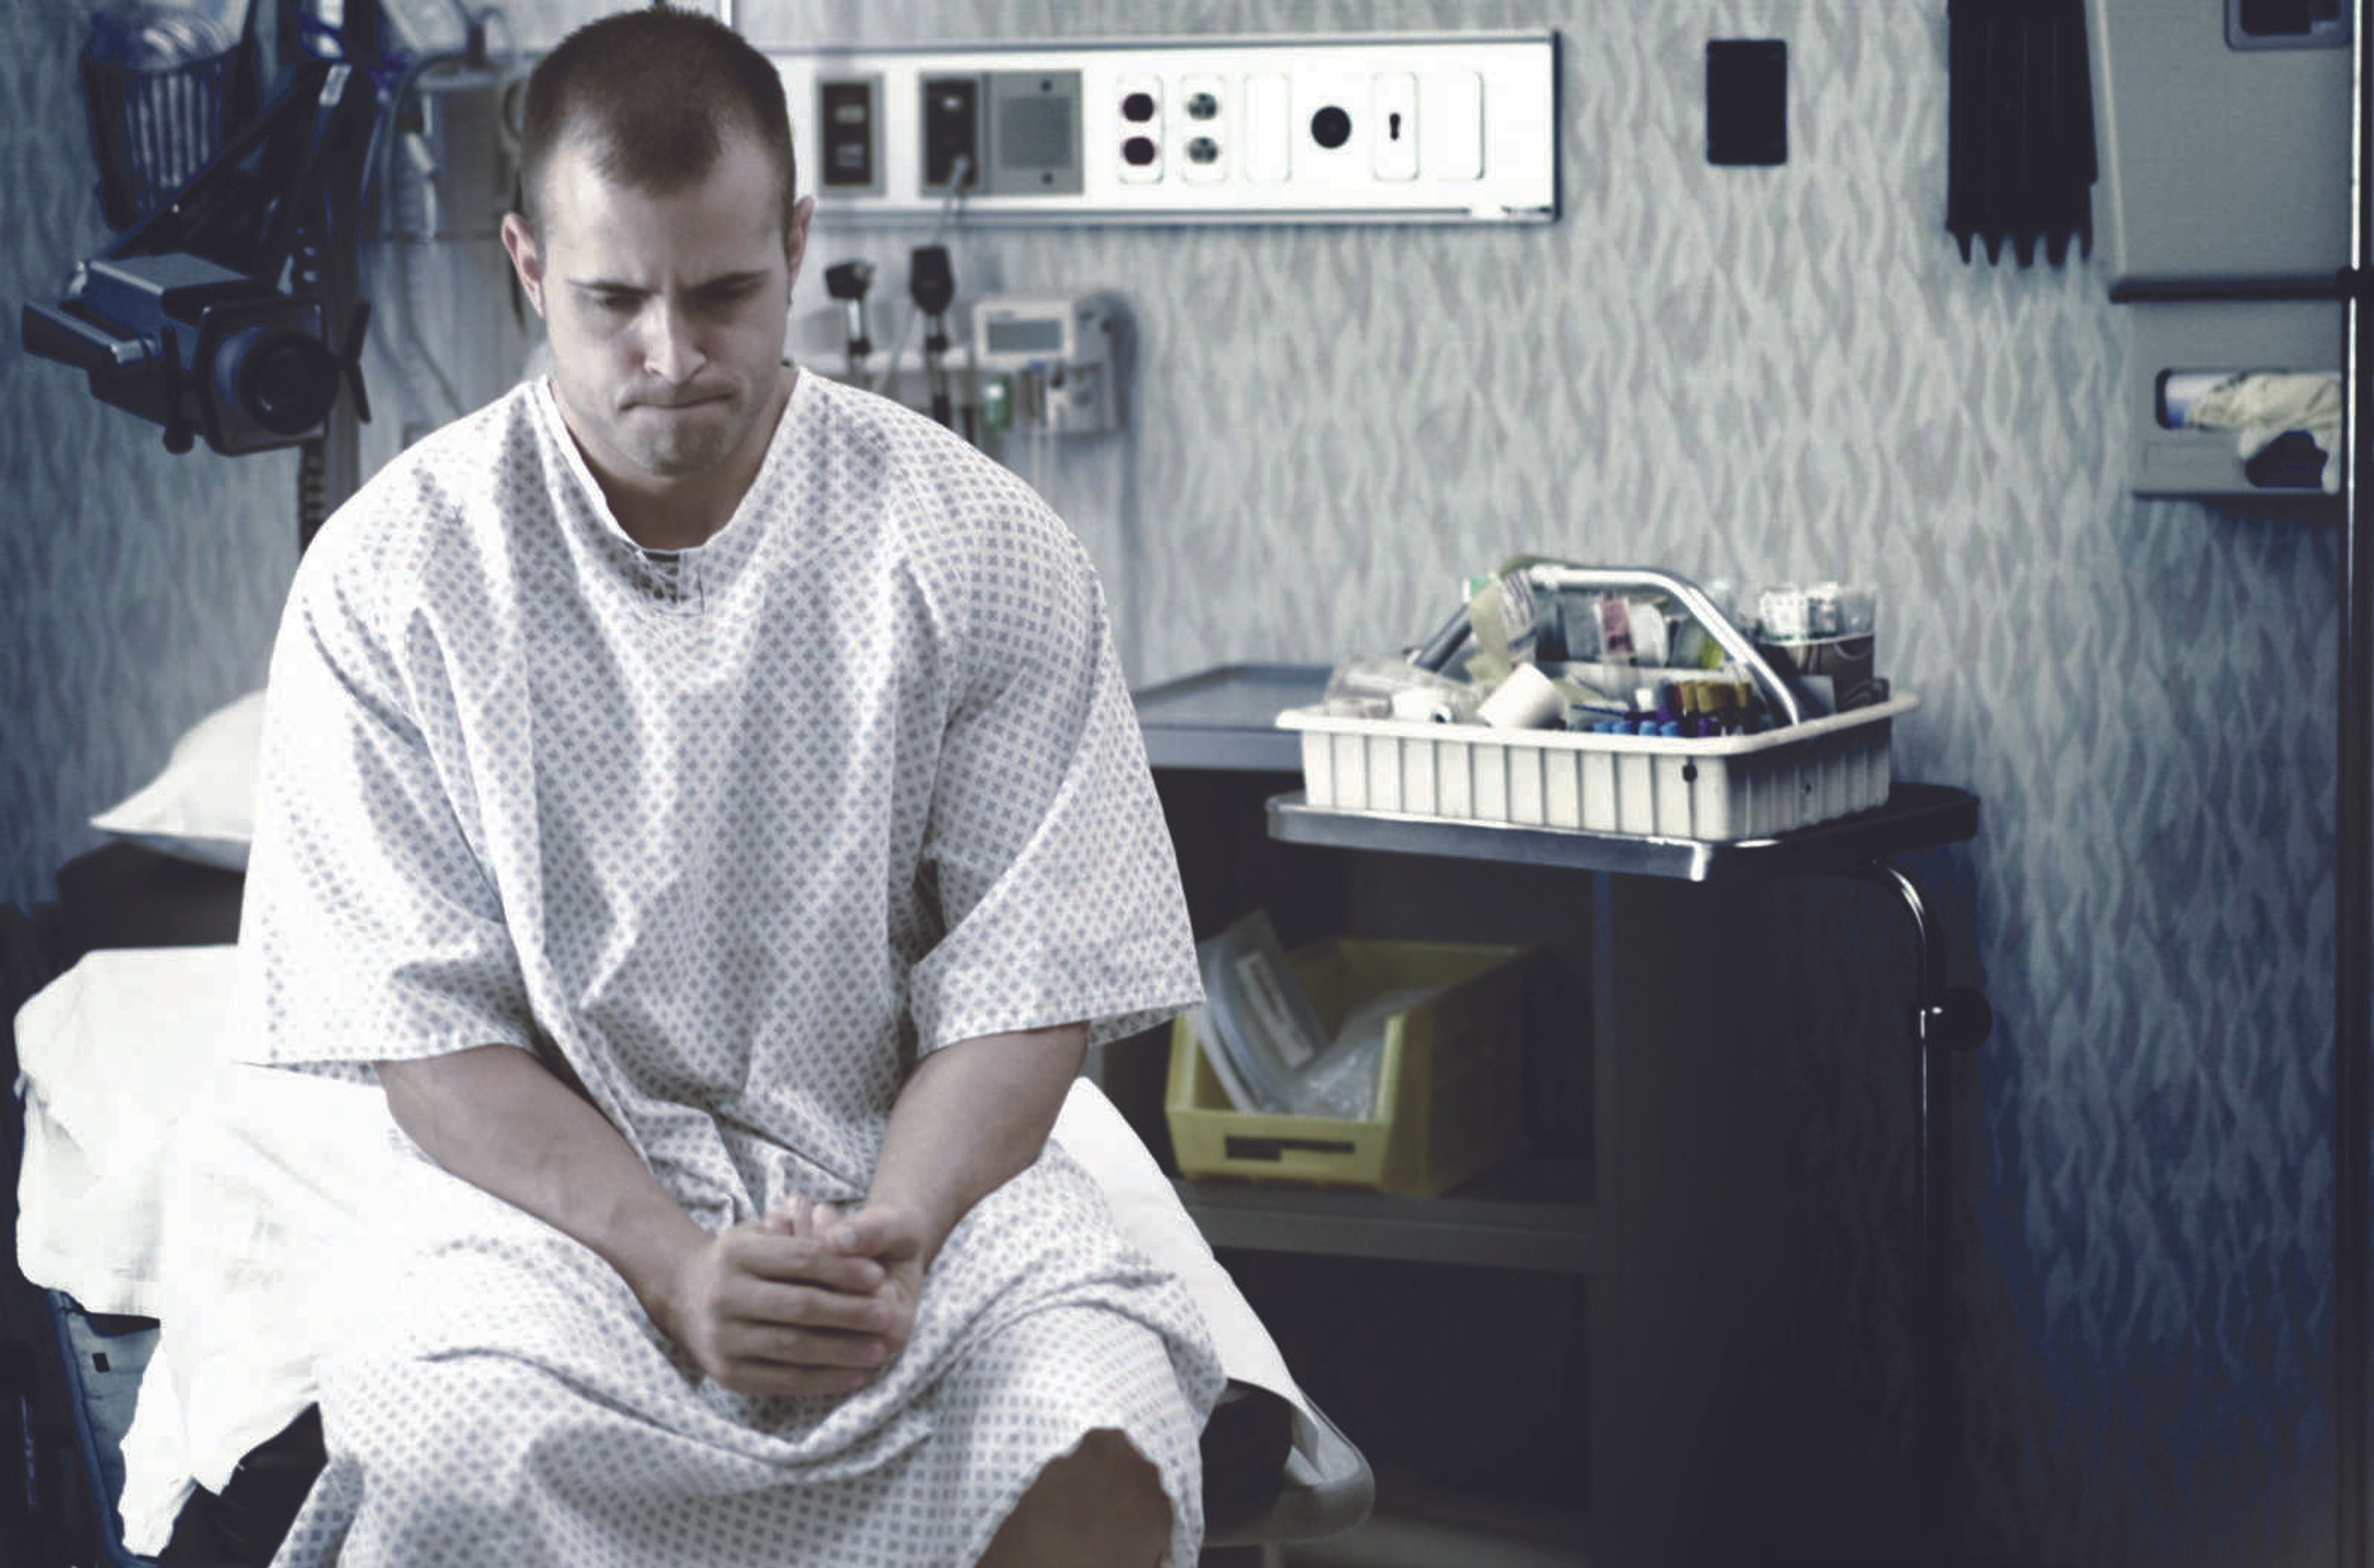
(1040, 335)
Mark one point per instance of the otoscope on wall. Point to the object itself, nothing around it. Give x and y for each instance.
(848, 282)
(932, 284)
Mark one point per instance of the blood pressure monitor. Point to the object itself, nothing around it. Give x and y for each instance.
(1048, 361)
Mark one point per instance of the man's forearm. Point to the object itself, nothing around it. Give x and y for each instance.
(974, 1115)
(498, 1120)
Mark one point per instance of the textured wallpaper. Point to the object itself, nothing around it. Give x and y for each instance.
(1746, 374)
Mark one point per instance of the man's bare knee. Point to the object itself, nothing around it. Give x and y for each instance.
(1101, 1506)
(1107, 1470)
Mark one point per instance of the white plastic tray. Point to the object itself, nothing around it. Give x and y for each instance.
(1721, 789)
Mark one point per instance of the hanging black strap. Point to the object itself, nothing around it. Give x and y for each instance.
(2020, 163)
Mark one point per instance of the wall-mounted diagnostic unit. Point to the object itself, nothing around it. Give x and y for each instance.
(1047, 364)
(1400, 127)
(2223, 129)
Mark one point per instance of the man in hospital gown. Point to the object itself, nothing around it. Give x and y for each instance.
(704, 797)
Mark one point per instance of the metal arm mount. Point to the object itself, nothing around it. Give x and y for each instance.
(1945, 1019)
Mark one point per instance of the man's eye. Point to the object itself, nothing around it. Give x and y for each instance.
(616, 304)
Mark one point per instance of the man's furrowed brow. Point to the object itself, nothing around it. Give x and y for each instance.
(738, 279)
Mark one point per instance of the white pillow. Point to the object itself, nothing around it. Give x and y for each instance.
(202, 806)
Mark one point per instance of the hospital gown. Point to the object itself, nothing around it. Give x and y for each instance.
(729, 836)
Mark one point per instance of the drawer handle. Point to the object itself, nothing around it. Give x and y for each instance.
(1275, 1148)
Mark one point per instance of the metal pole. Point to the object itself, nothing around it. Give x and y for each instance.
(1937, 1403)
(2353, 1066)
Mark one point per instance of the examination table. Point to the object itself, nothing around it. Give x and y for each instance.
(69, 1378)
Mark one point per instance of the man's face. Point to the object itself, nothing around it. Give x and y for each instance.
(665, 311)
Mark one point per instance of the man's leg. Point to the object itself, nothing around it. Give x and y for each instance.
(1101, 1506)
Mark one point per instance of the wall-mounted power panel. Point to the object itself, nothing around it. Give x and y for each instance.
(1399, 127)
(2224, 146)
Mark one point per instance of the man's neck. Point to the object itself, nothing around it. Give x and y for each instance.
(683, 513)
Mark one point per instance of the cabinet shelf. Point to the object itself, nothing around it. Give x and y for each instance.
(1531, 1215)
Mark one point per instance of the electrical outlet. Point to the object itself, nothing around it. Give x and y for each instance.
(1200, 139)
(1137, 128)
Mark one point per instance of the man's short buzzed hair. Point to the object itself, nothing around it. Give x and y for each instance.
(655, 93)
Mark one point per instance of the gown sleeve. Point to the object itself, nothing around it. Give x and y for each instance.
(369, 928)
(1057, 884)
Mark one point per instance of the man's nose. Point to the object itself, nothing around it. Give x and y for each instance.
(671, 346)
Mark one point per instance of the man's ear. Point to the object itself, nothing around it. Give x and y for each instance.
(795, 237)
(518, 243)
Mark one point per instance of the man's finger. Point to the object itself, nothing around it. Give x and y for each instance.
(770, 1303)
(803, 1346)
(785, 1381)
(797, 1259)
(877, 1233)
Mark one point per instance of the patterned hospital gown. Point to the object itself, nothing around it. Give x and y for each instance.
(732, 836)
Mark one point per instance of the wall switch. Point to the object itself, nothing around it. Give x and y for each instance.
(1747, 100)
(951, 131)
(848, 123)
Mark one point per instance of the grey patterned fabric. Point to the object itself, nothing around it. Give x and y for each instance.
(731, 836)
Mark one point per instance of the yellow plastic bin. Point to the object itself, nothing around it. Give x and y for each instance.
(1450, 1087)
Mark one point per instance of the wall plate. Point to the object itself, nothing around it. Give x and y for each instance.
(1364, 128)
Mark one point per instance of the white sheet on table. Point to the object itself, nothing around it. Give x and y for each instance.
(109, 1054)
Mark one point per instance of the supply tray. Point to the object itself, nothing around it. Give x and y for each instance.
(1717, 791)
(1721, 789)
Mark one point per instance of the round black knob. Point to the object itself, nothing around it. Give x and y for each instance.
(1331, 127)
(1965, 1018)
